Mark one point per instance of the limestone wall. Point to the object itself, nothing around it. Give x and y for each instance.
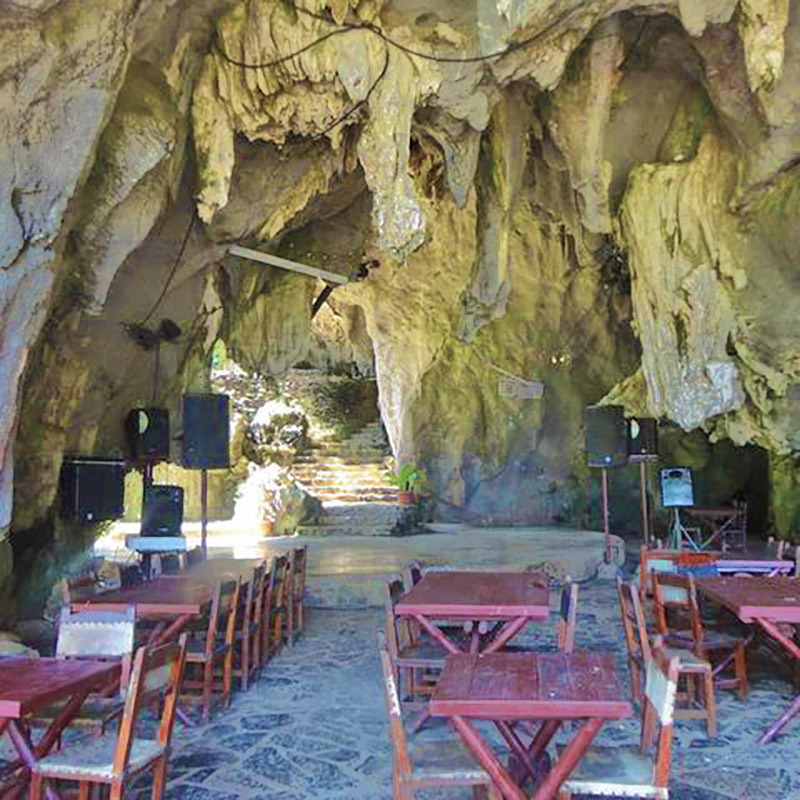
(607, 209)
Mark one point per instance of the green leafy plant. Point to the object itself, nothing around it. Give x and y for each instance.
(408, 478)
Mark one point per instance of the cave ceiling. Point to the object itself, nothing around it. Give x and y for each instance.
(608, 206)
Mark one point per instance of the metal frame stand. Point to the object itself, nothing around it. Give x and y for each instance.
(204, 512)
(608, 555)
(677, 533)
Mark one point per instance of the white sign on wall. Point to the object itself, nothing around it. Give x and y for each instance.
(519, 389)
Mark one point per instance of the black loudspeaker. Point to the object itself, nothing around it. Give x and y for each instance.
(92, 489)
(163, 511)
(147, 432)
(642, 438)
(206, 424)
(606, 436)
(677, 487)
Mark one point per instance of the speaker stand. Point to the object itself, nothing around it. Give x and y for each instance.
(678, 534)
(204, 512)
(607, 554)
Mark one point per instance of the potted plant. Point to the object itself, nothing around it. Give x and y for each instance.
(407, 479)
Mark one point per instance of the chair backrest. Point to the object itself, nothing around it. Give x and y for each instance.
(676, 592)
(281, 578)
(257, 585)
(412, 575)
(661, 684)
(222, 616)
(102, 635)
(397, 632)
(299, 560)
(156, 671)
(633, 622)
(653, 560)
(397, 733)
(567, 617)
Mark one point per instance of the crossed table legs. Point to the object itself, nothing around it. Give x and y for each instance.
(533, 758)
(508, 630)
(794, 709)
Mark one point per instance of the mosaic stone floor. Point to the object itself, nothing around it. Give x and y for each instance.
(314, 726)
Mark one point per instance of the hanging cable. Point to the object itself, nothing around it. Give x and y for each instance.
(374, 29)
(432, 56)
(349, 113)
(172, 272)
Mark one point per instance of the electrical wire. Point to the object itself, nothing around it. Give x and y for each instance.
(349, 113)
(374, 29)
(443, 59)
(172, 271)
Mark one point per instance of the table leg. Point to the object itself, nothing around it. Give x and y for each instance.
(772, 629)
(519, 749)
(548, 788)
(27, 752)
(508, 632)
(487, 759)
(448, 645)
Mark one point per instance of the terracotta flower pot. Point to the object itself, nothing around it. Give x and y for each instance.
(267, 527)
(406, 498)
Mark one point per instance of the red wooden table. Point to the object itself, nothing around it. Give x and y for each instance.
(507, 688)
(767, 602)
(512, 599)
(30, 684)
(176, 597)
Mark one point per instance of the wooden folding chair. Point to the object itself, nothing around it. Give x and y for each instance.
(436, 764)
(628, 771)
(412, 575)
(247, 649)
(214, 647)
(419, 660)
(112, 761)
(279, 602)
(678, 593)
(700, 700)
(295, 617)
(99, 636)
(566, 622)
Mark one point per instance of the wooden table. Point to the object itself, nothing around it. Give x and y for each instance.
(511, 599)
(719, 519)
(766, 602)
(30, 684)
(507, 688)
(177, 598)
(214, 569)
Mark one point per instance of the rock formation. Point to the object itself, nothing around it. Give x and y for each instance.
(599, 197)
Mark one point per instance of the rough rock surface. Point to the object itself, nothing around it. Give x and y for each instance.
(607, 209)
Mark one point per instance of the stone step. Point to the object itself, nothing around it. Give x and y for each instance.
(322, 485)
(346, 496)
(333, 459)
(335, 472)
(345, 530)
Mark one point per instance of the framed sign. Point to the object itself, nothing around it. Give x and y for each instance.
(677, 487)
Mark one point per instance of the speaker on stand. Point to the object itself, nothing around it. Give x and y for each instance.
(643, 448)
(606, 446)
(206, 443)
(677, 492)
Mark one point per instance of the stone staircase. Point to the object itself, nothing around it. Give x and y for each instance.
(349, 477)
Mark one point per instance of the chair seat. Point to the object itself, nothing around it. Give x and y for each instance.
(689, 662)
(95, 710)
(424, 653)
(615, 771)
(94, 758)
(445, 759)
